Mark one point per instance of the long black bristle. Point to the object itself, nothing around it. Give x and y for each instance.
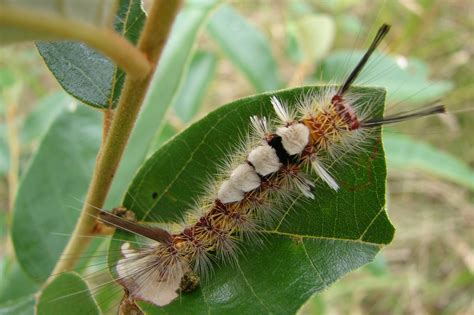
(382, 32)
(439, 109)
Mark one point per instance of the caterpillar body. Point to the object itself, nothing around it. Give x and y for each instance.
(275, 165)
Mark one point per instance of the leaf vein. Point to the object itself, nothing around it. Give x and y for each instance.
(359, 241)
(251, 289)
(371, 222)
(325, 285)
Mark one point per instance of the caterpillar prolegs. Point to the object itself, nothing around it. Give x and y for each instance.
(275, 164)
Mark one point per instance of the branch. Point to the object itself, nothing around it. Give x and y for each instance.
(111, 44)
(152, 42)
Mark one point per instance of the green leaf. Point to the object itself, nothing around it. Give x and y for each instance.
(190, 95)
(56, 179)
(85, 73)
(23, 306)
(67, 294)
(406, 80)
(40, 118)
(246, 47)
(96, 13)
(404, 152)
(15, 283)
(313, 245)
(164, 86)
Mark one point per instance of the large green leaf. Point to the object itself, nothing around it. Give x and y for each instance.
(87, 74)
(406, 80)
(313, 245)
(404, 152)
(246, 47)
(15, 283)
(40, 118)
(97, 13)
(166, 81)
(57, 177)
(67, 294)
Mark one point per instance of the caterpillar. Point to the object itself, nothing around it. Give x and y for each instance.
(275, 165)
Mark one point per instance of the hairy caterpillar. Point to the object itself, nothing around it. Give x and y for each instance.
(273, 167)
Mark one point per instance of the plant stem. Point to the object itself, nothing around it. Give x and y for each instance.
(151, 43)
(50, 26)
(108, 118)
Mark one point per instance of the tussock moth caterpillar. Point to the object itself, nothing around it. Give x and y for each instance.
(273, 167)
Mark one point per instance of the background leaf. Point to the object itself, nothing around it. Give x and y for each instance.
(15, 284)
(67, 294)
(23, 306)
(98, 13)
(313, 245)
(87, 74)
(191, 93)
(404, 152)
(189, 98)
(56, 179)
(314, 34)
(165, 83)
(246, 47)
(43, 114)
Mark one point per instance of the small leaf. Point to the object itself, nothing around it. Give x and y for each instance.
(98, 13)
(23, 306)
(404, 152)
(406, 80)
(163, 89)
(313, 245)
(246, 47)
(67, 294)
(87, 74)
(57, 177)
